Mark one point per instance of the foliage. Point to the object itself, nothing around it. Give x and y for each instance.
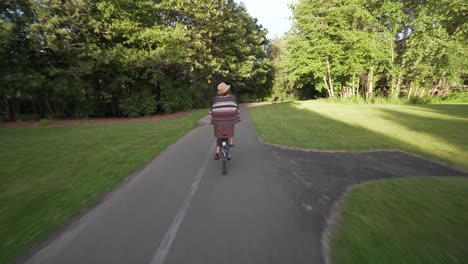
(64, 57)
(44, 122)
(139, 104)
(456, 97)
(365, 47)
(86, 108)
(176, 98)
(277, 55)
(452, 98)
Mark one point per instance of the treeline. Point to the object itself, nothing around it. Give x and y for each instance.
(393, 48)
(126, 57)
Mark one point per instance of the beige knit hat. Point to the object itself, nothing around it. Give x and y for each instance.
(223, 88)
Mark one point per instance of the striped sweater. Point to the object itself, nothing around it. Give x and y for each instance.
(224, 110)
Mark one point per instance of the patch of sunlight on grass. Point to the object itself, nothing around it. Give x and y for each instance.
(415, 127)
(377, 122)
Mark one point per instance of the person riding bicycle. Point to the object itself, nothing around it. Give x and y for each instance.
(224, 111)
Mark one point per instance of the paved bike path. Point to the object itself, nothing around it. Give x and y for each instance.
(270, 208)
(243, 217)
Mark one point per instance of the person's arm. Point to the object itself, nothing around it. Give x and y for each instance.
(235, 101)
(211, 111)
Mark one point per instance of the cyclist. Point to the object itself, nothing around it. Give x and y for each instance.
(224, 110)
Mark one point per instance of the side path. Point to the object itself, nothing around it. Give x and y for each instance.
(270, 208)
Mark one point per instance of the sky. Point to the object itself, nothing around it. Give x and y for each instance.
(271, 14)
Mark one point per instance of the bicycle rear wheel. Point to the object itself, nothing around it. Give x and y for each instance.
(225, 155)
(225, 165)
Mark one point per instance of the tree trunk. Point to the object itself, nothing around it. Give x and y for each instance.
(4, 108)
(17, 110)
(330, 79)
(51, 110)
(38, 106)
(10, 108)
(326, 85)
(423, 92)
(370, 80)
(409, 91)
(398, 83)
(436, 88)
(115, 105)
(392, 82)
(357, 85)
(158, 97)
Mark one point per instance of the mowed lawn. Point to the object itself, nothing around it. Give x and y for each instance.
(435, 131)
(422, 220)
(49, 173)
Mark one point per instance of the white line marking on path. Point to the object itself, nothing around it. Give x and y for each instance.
(166, 243)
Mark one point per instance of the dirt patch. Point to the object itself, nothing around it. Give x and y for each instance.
(94, 121)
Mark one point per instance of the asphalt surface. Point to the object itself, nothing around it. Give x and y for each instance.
(270, 208)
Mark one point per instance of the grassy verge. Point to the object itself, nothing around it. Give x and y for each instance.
(417, 220)
(434, 131)
(49, 173)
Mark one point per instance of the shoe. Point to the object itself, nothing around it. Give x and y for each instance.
(231, 145)
(216, 156)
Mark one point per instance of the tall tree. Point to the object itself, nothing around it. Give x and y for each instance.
(86, 57)
(351, 46)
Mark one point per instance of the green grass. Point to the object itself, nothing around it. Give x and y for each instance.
(434, 131)
(49, 173)
(420, 220)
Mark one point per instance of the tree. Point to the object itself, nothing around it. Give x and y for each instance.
(351, 46)
(87, 57)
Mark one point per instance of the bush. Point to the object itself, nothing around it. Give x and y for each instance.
(177, 99)
(453, 97)
(418, 100)
(44, 122)
(245, 98)
(358, 99)
(86, 109)
(139, 104)
(456, 97)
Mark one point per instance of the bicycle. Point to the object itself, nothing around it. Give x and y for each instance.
(224, 154)
(223, 132)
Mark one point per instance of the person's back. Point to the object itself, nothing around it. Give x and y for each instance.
(224, 112)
